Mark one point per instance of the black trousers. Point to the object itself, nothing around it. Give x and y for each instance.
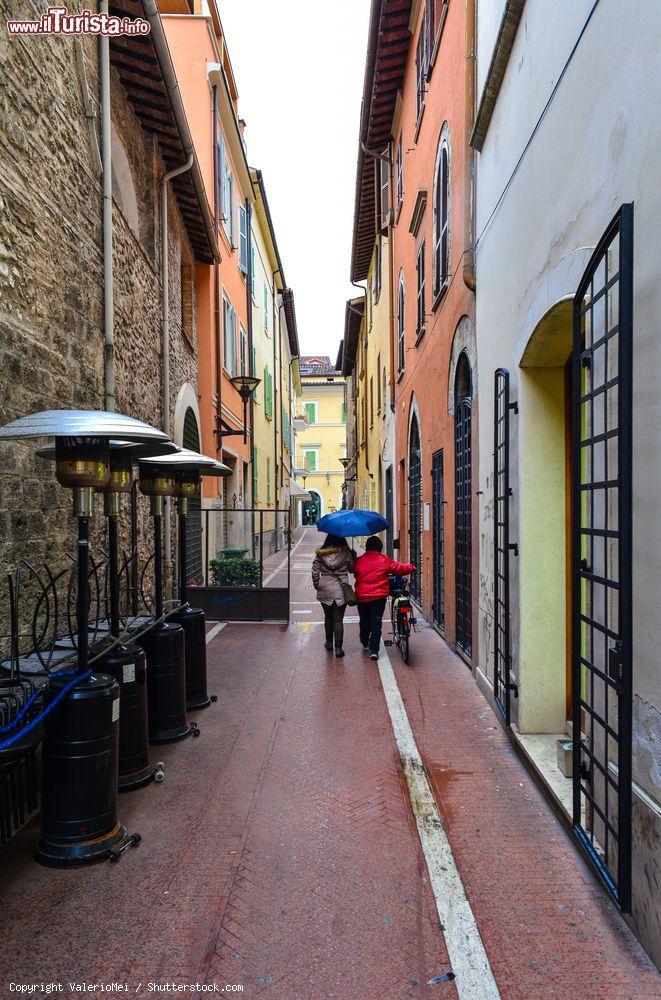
(334, 622)
(371, 617)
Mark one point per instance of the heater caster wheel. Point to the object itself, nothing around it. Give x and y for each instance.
(214, 698)
(132, 841)
(159, 772)
(194, 729)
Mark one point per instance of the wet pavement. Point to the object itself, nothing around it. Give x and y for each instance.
(282, 855)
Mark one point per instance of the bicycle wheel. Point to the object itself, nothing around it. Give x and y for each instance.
(404, 646)
(395, 623)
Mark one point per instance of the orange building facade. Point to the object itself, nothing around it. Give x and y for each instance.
(415, 178)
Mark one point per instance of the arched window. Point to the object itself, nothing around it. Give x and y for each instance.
(441, 224)
(401, 324)
(191, 439)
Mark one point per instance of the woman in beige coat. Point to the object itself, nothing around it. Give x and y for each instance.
(329, 571)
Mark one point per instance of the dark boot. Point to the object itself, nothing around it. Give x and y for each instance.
(339, 652)
(329, 646)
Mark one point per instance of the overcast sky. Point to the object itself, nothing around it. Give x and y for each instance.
(299, 72)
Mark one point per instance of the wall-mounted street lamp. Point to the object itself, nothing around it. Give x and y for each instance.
(79, 822)
(344, 462)
(245, 385)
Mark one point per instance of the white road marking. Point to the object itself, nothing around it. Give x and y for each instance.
(212, 633)
(468, 958)
(284, 562)
(302, 612)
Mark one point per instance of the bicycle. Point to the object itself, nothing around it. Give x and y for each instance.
(402, 617)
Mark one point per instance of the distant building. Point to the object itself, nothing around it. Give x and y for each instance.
(323, 443)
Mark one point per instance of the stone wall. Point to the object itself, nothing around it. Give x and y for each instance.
(51, 275)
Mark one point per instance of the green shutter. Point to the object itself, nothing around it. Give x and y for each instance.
(268, 479)
(255, 476)
(344, 413)
(309, 412)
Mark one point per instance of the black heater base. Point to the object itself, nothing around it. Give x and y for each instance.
(193, 621)
(128, 665)
(79, 824)
(164, 646)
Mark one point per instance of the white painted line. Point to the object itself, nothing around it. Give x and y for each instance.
(212, 633)
(302, 612)
(283, 563)
(469, 961)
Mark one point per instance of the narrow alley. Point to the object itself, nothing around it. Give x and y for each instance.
(281, 853)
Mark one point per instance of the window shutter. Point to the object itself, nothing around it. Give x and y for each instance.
(252, 270)
(266, 307)
(266, 390)
(255, 476)
(226, 336)
(268, 479)
(243, 239)
(384, 167)
(223, 178)
(234, 347)
(232, 218)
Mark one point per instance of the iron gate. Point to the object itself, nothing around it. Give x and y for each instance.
(438, 539)
(191, 439)
(415, 510)
(463, 526)
(601, 558)
(504, 684)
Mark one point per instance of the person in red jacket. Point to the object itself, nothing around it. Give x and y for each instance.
(372, 590)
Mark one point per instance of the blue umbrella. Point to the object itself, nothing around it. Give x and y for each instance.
(349, 523)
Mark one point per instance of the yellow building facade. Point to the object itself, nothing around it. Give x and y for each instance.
(323, 442)
(367, 358)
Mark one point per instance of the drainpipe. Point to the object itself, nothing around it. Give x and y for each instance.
(469, 152)
(165, 349)
(106, 153)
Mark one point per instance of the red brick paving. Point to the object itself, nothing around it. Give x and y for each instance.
(280, 854)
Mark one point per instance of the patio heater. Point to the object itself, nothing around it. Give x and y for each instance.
(126, 663)
(188, 467)
(79, 822)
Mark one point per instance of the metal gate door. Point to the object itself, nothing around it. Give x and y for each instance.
(438, 539)
(463, 526)
(601, 569)
(415, 510)
(504, 684)
(389, 510)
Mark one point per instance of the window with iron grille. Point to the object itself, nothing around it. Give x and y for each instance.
(401, 325)
(441, 215)
(229, 338)
(377, 269)
(421, 289)
(400, 172)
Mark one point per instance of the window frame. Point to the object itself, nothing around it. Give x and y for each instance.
(421, 298)
(315, 404)
(441, 217)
